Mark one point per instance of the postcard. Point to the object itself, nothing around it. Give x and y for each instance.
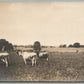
(42, 41)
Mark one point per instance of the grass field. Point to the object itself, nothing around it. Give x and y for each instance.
(64, 65)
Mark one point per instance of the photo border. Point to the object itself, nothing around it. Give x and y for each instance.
(42, 82)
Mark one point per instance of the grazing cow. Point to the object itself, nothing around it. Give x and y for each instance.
(43, 55)
(28, 56)
(4, 57)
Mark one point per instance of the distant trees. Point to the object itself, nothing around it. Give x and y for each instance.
(63, 46)
(82, 46)
(75, 45)
(70, 45)
(37, 47)
(5, 45)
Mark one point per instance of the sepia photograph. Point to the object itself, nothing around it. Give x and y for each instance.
(42, 41)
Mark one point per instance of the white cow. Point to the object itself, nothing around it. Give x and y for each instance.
(28, 55)
(4, 57)
(43, 55)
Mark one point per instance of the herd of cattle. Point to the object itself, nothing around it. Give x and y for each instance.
(32, 56)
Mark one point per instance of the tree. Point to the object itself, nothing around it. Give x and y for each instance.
(37, 47)
(77, 45)
(5, 45)
(63, 46)
(70, 45)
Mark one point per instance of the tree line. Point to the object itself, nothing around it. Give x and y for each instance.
(74, 45)
(6, 46)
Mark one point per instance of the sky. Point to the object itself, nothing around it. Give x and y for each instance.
(50, 23)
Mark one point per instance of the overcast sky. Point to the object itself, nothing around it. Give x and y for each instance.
(51, 23)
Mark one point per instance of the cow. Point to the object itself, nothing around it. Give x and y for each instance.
(44, 55)
(28, 56)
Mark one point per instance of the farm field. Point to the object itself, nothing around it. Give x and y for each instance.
(56, 49)
(64, 65)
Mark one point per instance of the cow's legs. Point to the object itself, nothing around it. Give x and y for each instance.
(6, 63)
(47, 59)
(32, 62)
(25, 61)
(2, 60)
(35, 62)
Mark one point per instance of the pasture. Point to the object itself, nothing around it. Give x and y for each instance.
(64, 65)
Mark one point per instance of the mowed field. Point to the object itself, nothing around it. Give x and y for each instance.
(64, 65)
